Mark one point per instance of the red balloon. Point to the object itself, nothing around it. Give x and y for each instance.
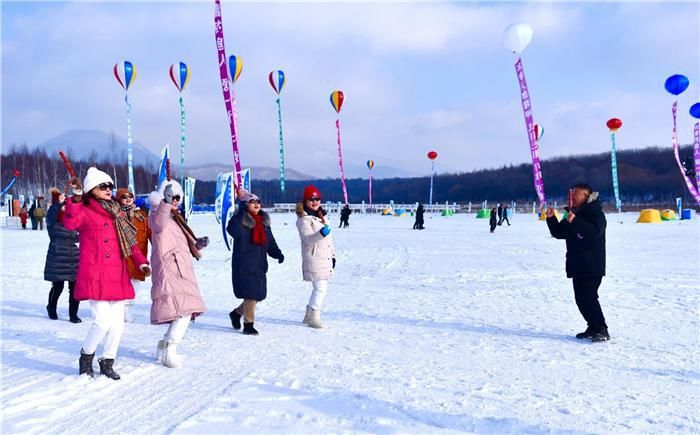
(15, 172)
(614, 124)
(432, 155)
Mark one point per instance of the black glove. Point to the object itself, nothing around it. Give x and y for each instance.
(202, 242)
(280, 259)
(333, 262)
(168, 194)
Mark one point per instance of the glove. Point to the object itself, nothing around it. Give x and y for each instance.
(168, 194)
(146, 269)
(202, 243)
(76, 186)
(326, 230)
(333, 262)
(280, 260)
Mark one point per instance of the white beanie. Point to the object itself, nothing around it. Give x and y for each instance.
(94, 178)
(156, 196)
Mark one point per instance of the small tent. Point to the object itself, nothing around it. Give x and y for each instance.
(447, 212)
(484, 213)
(387, 212)
(668, 215)
(400, 212)
(649, 216)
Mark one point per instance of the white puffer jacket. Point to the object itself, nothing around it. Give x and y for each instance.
(317, 252)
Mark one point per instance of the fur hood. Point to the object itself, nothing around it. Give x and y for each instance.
(247, 220)
(300, 209)
(592, 197)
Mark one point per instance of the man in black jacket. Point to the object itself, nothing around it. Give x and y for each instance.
(584, 232)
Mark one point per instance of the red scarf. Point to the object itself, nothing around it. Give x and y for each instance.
(259, 237)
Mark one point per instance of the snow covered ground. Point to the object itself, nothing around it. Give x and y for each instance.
(451, 329)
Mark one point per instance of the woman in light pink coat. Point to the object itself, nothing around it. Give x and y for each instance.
(175, 295)
(106, 239)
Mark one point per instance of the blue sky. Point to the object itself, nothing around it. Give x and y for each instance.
(416, 77)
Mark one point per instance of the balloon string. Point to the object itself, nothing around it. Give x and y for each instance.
(432, 173)
(340, 163)
(130, 150)
(182, 142)
(616, 187)
(279, 118)
(691, 188)
(370, 188)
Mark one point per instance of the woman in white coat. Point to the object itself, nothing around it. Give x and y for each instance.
(317, 252)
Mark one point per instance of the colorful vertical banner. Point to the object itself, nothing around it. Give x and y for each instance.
(337, 98)
(163, 168)
(691, 187)
(188, 189)
(616, 187)
(224, 79)
(218, 196)
(696, 154)
(277, 80)
(370, 165)
(432, 155)
(13, 180)
(180, 76)
(125, 73)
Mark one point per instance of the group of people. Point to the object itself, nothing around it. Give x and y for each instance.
(111, 260)
(498, 215)
(35, 214)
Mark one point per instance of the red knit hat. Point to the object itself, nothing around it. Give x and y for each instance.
(310, 191)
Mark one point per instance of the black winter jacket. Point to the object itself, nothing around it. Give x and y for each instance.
(63, 254)
(249, 261)
(585, 240)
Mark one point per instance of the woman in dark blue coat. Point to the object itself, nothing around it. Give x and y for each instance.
(61, 259)
(252, 243)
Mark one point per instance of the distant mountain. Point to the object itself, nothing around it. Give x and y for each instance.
(209, 172)
(81, 144)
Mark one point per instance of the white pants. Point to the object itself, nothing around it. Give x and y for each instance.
(137, 287)
(318, 294)
(176, 330)
(107, 324)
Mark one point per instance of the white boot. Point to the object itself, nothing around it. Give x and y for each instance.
(128, 315)
(307, 316)
(315, 319)
(160, 351)
(170, 357)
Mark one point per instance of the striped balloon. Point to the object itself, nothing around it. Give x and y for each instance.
(180, 75)
(337, 98)
(539, 131)
(277, 80)
(125, 73)
(370, 164)
(235, 68)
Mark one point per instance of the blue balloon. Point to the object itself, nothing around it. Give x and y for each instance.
(695, 110)
(676, 84)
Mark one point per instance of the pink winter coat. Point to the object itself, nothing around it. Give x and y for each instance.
(102, 273)
(174, 293)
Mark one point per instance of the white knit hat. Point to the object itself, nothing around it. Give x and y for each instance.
(157, 195)
(94, 178)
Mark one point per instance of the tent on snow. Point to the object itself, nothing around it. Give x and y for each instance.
(649, 216)
(668, 215)
(484, 213)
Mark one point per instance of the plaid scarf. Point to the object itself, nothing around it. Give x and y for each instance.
(130, 212)
(126, 231)
(189, 234)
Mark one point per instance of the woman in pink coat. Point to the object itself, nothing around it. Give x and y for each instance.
(106, 239)
(175, 295)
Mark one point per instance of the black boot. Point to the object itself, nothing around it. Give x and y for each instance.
(85, 364)
(588, 333)
(73, 305)
(248, 329)
(54, 294)
(235, 320)
(106, 368)
(600, 335)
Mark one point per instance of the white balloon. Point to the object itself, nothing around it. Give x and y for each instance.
(516, 37)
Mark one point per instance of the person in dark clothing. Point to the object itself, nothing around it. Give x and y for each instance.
(418, 225)
(345, 217)
(61, 259)
(492, 221)
(500, 214)
(31, 215)
(584, 232)
(505, 215)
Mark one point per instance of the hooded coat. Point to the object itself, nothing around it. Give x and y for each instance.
(317, 251)
(585, 239)
(63, 255)
(249, 260)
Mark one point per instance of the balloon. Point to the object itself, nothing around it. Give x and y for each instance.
(337, 99)
(370, 164)
(180, 75)
(676, 84)
(235, 67)
(15, 172)
(695, 110)
(125, 73)
(277, 80)
(516, 37)
(432, 155)
(614, 124)
(539, 131)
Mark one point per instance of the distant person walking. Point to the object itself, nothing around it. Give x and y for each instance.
(584, 232)
(505, 215)
(500, 214)
(31, 214)
(418, 224)
(23, 216)
(345, 217)
(39, 214)
(492, 221)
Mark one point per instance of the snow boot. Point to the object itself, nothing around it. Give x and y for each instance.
(85, 364)
(588, 333)
(170, 357)
(160, 351)
(73, 305)
(600, 335)
(128, 315)
(235, 320)
(248, 329)
(106, 368)
(54, 294)
(315, 319)
(307, 316)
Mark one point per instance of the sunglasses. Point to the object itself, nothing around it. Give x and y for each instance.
(127, 196)
(105, 186)
(176, 197)
(314, 199)
(254, 201)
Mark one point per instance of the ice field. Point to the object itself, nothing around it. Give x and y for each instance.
(451, 329)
